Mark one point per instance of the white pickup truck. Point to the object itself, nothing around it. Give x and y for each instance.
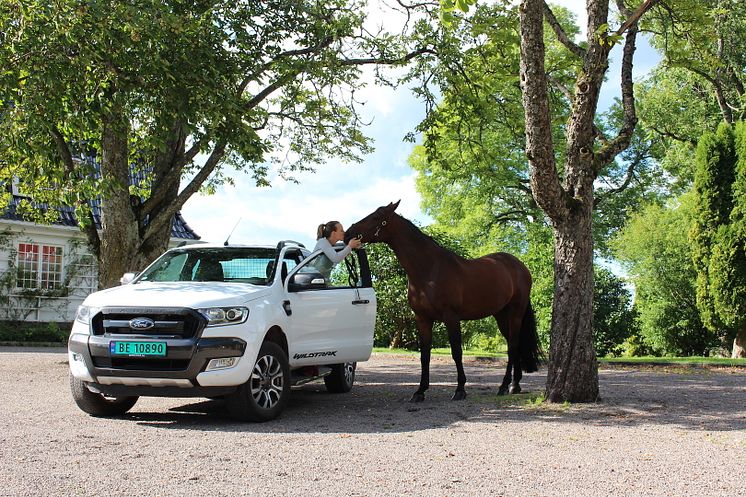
(244, 323)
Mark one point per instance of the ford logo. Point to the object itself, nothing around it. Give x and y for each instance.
(141, 324)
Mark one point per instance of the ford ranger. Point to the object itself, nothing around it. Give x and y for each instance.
(243, 323)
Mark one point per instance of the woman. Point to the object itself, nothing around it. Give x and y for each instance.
(326, 236)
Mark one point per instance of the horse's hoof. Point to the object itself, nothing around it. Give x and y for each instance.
(459, 395)
(417, 397)
(515, 389)
(502, 390)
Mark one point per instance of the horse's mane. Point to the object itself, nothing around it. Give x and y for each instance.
(425, 237)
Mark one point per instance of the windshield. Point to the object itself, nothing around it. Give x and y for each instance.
(240, 265)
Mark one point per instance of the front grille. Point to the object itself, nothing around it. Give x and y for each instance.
(136, 363)
(168, 322)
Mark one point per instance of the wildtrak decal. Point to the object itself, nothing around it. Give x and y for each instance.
(315, 354)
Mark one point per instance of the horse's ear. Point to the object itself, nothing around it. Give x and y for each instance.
(392, 206)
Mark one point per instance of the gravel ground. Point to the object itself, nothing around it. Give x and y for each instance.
(657, 432)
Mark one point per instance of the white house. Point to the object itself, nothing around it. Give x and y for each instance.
(46, 270)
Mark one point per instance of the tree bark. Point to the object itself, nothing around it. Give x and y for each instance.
(573, 371)
(739, 344)
(156, 220)
(119, 226)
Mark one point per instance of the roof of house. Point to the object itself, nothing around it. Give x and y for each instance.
(179, 227)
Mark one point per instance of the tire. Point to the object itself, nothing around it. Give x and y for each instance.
(341, 378)
(97, 404)
(265, 394)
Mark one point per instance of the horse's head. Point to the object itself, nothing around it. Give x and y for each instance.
(373, 227)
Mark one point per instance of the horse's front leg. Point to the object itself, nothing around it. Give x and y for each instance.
(507, 379)
(425, 330)
(454, 337)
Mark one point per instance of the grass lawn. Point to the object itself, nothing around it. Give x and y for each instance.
(442, 351)
(713, 361)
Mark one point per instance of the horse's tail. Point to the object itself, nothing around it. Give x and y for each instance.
(529, 347)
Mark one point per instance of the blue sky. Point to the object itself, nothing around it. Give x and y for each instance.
(346, 191)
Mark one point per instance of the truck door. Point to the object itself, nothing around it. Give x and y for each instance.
(331, 315)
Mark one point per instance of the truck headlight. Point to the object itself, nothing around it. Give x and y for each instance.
(221, 316)
(85, 313)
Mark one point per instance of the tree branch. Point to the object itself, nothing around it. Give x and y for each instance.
(164, 218)
(545, 183)
(674, 136)
(560, 33)
(610, 150)
(632, 19)
(284, 55)
(167, 171)
(89, 228)
(627, 180)
(387, 61)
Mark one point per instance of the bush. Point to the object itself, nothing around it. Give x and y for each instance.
(614, 319)
(489, 343)
(21, 331)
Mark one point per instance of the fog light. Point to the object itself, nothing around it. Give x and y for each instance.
(221, 363)
(77, 357)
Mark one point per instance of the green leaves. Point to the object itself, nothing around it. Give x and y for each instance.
(462, 5)
(603, 38)
(655, 251)
(448, 7)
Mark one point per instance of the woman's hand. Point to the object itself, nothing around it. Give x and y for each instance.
(355, 243)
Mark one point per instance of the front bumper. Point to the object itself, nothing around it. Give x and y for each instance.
(175, 375)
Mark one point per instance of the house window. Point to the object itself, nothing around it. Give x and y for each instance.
(39, 266)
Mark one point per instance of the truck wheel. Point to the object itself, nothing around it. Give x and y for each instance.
(97, 404)
(264, 396)
(341, 378)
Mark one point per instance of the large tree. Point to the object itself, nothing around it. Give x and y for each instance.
(719, 233)
(477, 174)
(93, 93)
(566, 193)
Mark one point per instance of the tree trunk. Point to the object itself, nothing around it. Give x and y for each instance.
(739, 344)
(573, 374)
(151, 248)
(396, 339)
(119, 226)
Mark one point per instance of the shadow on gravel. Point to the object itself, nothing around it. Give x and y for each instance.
(379, 403)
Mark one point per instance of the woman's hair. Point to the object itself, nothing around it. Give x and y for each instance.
(325, 230)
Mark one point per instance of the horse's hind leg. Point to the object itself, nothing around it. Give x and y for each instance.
(507, 379)
(425, 329)
(454, 337)
(509, 328)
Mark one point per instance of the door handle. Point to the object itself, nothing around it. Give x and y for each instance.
(359, 302)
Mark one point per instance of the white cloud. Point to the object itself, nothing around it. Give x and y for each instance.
(294, 211)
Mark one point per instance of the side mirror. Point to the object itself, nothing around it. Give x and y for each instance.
(127, 278)
(306, 281)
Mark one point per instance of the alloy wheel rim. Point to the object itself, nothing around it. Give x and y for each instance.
(349, 372)
(267, 382)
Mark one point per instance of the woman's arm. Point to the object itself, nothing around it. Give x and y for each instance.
(332, 254)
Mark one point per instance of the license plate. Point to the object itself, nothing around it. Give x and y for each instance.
(138, 348)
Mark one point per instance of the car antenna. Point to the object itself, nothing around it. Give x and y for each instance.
(225, 244)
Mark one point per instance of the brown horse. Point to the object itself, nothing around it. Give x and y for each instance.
(443, 286)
